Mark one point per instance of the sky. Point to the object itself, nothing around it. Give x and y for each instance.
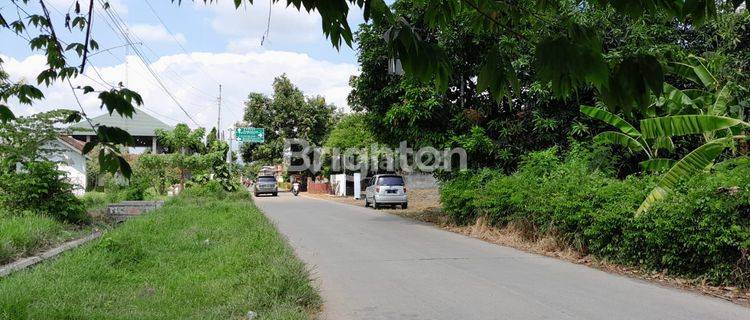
(192, 48)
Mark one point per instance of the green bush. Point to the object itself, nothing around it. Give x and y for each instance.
(41, 188)
(700, 230)
(211, 189)
(458, 195)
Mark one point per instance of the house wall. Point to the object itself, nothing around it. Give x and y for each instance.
(72, 162)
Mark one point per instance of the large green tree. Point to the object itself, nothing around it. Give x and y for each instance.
(182, 139)
(288, 114)
(569, 57)
(497, 127)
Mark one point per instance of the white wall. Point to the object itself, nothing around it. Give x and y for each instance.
(72, 162)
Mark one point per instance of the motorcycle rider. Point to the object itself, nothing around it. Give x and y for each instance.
(295, 187)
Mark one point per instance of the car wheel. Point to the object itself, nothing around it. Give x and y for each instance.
(375, 205)
(404, 205)
(367, 203)
(275, 194)
(256, 194)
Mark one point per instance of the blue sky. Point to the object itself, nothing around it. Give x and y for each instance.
(222, 45)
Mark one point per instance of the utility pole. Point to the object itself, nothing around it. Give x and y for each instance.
(219, 134)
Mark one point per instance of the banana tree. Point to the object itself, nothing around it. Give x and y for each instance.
(696, 161)
(632, 139)
(715, 97)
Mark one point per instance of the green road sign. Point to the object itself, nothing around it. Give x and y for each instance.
(250, 135)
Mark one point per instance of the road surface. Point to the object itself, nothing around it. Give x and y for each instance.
(372, 265)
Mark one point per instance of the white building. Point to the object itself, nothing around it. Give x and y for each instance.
(68, 153)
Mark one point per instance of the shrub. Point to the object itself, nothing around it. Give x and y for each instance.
(700, 230)
(457, 195)
(211, 189)
(41, 188)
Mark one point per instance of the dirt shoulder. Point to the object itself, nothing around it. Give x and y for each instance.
(424, 205)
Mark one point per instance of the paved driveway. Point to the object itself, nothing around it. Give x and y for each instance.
(372, 265)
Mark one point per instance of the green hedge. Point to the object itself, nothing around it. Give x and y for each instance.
(701, 230)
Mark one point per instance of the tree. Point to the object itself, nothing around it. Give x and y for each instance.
(351, 131)
(287, 115)
(494, 133)
(35, 25)
(182, 139)
(24, 139)
(568, 56)
(632, 139)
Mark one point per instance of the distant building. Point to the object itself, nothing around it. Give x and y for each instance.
(141, 127)
(68, 153)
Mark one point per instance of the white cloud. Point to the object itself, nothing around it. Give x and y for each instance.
(286, 22)
(191, 80)
(155, 33)
(288, 26)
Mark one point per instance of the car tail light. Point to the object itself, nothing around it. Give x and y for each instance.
(377, 189)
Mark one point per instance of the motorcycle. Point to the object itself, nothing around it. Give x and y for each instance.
(295, 189)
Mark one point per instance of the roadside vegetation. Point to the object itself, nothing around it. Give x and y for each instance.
(207, 254)
(701, 231)
(38, 208)
(27, 233)
(652, 177)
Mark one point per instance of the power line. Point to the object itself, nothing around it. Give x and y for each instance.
(180, 80)
(115, 18)
(177, 41)
(188, 54)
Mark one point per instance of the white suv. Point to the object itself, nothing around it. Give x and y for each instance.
(386, 189)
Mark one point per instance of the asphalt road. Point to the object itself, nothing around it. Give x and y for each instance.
(372, 265)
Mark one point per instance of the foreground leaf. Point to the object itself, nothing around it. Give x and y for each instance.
(633, 82)
(572, 61)
(5, 113)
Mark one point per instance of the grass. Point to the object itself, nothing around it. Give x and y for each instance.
(26, 233)
(97, 201)
(195, 258)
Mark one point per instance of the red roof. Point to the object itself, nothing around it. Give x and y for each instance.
(75, 143)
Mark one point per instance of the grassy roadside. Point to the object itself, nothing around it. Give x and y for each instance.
(214, 257)
(25, 234)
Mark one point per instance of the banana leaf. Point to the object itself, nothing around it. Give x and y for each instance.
(695, 71)
(696, 161)
(613, 137)
(684, 125)
(723, 98)
(611, 119)
(657, 165)
(664, 143)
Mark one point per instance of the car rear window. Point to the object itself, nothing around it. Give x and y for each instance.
(266, 179)
(391, 181)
